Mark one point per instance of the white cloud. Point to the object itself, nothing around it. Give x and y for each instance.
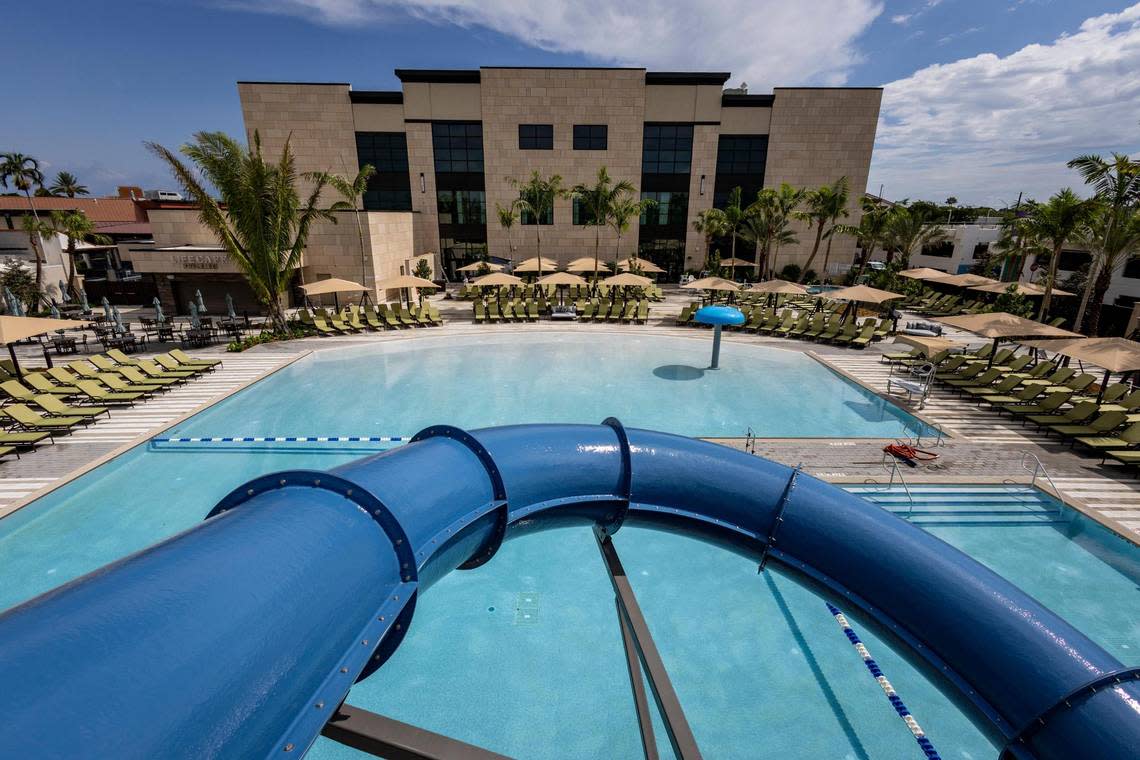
(986, 127)
(764, 42)
(901, 18)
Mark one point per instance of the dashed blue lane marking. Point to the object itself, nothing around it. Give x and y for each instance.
(287, 439)
(895, 700)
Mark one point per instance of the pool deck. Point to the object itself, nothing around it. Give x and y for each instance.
(979, 446)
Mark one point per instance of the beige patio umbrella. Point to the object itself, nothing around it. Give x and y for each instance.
(537, 264)
(923, 273)
(733, 263)
(499, 279)
(1022, 288)
(965, 280)
(712, 283)
(626, 279)
(561, 279)
(333, 286)
(1001, 326)
(645, 265)
(586, 264)
(860, 294)
(405, 282)
(479, 265)
(15, 329)
(779, 286)
(1111, 354)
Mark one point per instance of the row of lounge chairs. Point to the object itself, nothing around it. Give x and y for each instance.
(355, 319)
(549, 292)
(934, 304)
(54, 401)
(592, 310)
(1057, 400)
(819, 326)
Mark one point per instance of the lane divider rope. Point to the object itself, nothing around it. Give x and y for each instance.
(287, 439)
(896, 701)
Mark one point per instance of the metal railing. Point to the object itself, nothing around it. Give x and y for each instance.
(1038, 470)
(891, 465)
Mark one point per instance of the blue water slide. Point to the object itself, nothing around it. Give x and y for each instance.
(241, 636)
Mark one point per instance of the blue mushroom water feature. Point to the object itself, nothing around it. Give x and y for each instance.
(718, 317)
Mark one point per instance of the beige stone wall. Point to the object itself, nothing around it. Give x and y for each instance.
(378, 117)
(745, 121)
(390, 236)
(562, 97)
(315, 118)
(442, 101)
(817, 136)
(176, 226)
(421, 160)
(705, 139)
(682, 102)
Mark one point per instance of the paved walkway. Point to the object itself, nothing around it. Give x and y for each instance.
(980, 446)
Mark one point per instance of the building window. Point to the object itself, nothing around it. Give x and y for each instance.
(590, 136)
(387, 151)
(667, 253)
(547, 217)
(582, 213)
(536, 137)
(458, 147)
(1071, 261)
(1132, 268)
(981, 250)
(943, 249)
(389, 189)
(671, 210)
(667, 149)
(742, 154)
(462, 206)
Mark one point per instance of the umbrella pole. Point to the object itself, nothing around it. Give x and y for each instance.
(1103, 386)
(993, 353)
(15, 362)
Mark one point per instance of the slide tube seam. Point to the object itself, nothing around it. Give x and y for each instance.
(625, 487)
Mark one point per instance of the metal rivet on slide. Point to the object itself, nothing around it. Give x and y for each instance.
(364, 642)
(288, 747)
(319, 705)
(381, 618)
(249, 492)
(344, 670)
(348, 492)
(395, 599)
(282, 481)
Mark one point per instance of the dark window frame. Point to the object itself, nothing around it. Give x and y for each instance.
(591, 136)
(457, 147)
(536, 137)
(667, 148)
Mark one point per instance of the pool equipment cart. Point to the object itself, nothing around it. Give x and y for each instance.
(718, 317)
(242, 636)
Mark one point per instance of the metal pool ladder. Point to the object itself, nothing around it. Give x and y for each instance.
(895, 471)
(1038, 470)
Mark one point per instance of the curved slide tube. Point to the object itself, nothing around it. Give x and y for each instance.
(240, 637)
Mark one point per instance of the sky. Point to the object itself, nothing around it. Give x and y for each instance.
(983, 99)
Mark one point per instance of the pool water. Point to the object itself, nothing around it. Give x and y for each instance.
(654, 382)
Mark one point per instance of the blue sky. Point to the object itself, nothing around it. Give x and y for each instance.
(984, 98)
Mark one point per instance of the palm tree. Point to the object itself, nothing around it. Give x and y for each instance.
(599, 200)
(1113, 231)
(66, 183)
(787, 201)
(75, 226)
(536, 198)
(871, 232)
(23, 172)
(507, 218)
(624, 209)
(825, 206)
(260, 218)
(908, 230)
(352, 192)
(768, 225)
(1057, 221)
(731, 220)
(709, 223)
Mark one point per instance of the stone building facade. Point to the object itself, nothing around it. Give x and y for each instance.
(451, 145)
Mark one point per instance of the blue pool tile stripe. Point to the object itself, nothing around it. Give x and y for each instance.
(286, 439)
(896, 701)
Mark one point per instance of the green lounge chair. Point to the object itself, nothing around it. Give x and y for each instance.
(587, 312)
(334, 319)
(53, 406)
(373, 319)
(171, 365)
(182, 357)
(1051, 403)
(493, 312)
(1105, 423)
(1040, 370)
(819, 325)
(95, 392)
(864, 338)
(616, 311)
(848, 333)
(802, 325)
(352, 319)
(1057, 379)
(406, 317)
(28, 419)
(507, 311)
(150, 369)
(388, 316)
(1025, 395)
(27, 439)
(834, 327)
(1000, 387)
(308, 320)
(532, 311)
(46, 385)
(15, 390)
(642, 312)
(1078, 414)
(111, 380)
(421, 316)
(1129, 403)
(985, 377)
(434, 315)
(1128, 457)
(133, 374)
(787, 326)
(915, 354)
(1128, 437)
(956, 368)
(480, 311)
(787, 321)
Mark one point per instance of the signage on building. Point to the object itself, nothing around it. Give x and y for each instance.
(199, 261)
